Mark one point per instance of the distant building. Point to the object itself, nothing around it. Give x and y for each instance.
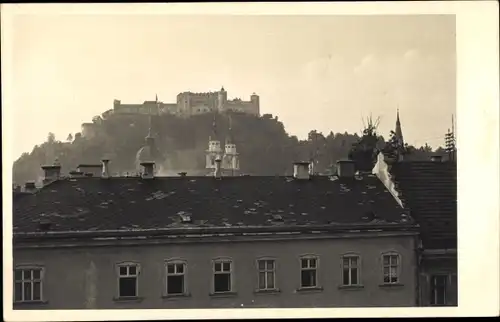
(189, 104)
(146, 242)
(228, 157)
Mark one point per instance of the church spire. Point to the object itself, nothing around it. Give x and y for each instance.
(398, 132)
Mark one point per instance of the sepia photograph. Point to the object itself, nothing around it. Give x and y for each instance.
(163, 160)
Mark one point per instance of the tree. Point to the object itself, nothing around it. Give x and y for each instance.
(69, 138)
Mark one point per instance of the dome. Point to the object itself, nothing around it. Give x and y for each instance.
(144, 154)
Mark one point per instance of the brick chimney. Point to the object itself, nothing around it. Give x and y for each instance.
(301, 170)
(51, 173)
(346, 168)
(218, 169)
(29, 186)
(105, 168)
(148, 170)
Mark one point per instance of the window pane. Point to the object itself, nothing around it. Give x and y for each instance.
(18, 275)
(312, 263)
(123, 270)
(395, 260)
(37, 294)
(226, 266)
(132, 270)
(170, 268)
(308, 278)
(262, 265)
(262, 280)
(345, 262)
(354, 276)
(128, 286)
(218, 267)
(222, 282)
(27, 292)
(180, 268)
(27, 274)
(175, 284)
(386, 260)
(345, 276)
(36, 274)
(18, 291)
(354, 261)
(304, 263)
(270, 280)
(270, 265)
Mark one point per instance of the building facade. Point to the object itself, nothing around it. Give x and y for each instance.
(102, 242)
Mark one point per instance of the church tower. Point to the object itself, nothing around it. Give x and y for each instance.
(214, 150)
(230, 162)
(149, 152)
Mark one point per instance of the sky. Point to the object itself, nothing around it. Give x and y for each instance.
(322, 73)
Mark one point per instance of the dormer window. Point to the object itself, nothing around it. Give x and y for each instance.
(185, 218)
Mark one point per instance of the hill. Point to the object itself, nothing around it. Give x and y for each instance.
(265, 147)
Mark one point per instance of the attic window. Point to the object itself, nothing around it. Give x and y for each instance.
(185, 218)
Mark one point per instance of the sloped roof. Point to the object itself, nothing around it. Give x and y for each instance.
(429, 190)
(120, 203)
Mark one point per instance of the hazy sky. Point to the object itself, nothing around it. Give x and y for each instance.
(313, 72)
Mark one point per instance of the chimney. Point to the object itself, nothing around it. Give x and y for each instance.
(105, 168)
(95, 169)
(148, 170)
(75, 174)
(51, 173)
(29, 186)
(436, 158)
(16, 188)
(301, 170)
(182, 174)
(311, 168)
(346, 168)
(218, 170)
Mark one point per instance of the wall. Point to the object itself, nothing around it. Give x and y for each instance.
(79, 276)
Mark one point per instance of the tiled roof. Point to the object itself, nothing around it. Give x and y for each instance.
(429, 190)
(95, 204)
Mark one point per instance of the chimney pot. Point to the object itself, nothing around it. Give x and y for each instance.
(346, 168)
(105, 168)
(301, 170)
(51, 172)
(148, 170)
(218, 170)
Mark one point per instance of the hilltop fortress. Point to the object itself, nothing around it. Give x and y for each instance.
(189, 104)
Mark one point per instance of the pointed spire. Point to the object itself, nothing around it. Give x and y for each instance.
(398, 131)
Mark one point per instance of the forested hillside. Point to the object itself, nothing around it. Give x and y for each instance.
(265, 147)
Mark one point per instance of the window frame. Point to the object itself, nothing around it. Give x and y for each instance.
(398, 267)
(176, 261)
(446, 277)
(358, 267)
(316, 269)
(118, 276)
(232, 287)
(265, 271)
(31, 281)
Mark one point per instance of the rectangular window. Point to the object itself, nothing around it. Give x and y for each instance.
(28, 285)
(176, 274)
(439, 284)
(222, 276)
(308, 272)
(391, 267)
(350, 270)
(128, 279)
(267, 271)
